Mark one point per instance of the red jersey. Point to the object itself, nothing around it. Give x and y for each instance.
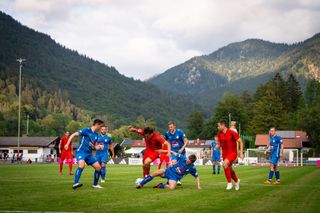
(63, 142)
(163, 154)
(154, 143)
(228, 142)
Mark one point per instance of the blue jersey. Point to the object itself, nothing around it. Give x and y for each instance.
(176, 140)
(215, 152)
(275, 145)
(88, 138)
(104, 140)
(181, 169)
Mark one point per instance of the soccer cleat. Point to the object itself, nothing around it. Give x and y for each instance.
(267, 182)
(276, 182)
(229, 186)
(71, 173)
(157, 186)
(179, 183)
(97, 186)
(237, 185)
(76, 185)
(138, 186)
(213, 173)
(103, 181)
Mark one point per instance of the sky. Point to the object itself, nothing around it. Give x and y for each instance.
(142, 38)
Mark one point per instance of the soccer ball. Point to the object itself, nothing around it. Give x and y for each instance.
(138, 180)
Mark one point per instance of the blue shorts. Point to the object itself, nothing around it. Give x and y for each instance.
(87, 157)
(102, 157)
(170, 176)
(174, 157)
(216, 158)
(274, 160)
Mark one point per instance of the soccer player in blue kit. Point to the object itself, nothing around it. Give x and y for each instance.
(178, 141)
(215, 153)
(276, 151)
(88, 142)
(105, 141)
(174, 173)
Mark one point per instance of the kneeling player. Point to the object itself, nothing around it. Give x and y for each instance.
(276, 151)
(174, 173)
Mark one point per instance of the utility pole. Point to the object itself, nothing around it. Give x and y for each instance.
(229, 119)
(20, 60)
(27, 124)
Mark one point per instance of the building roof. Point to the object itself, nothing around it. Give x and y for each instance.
(291, 139)
(27, 141)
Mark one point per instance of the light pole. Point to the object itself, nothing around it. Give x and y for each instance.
(20, 60)
(27, 124)
(229, 119)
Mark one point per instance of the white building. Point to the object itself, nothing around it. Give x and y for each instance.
(37, 149)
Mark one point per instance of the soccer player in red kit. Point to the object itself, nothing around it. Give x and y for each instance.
(164, 157)
(154, 146)
(65, 153)
(228, 140)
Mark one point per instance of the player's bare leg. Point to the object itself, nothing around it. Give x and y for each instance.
(97, 173)
(158, 173)
(146, 167)
(81, 165)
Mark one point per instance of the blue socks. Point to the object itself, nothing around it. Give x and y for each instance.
(278, 175)
(77, 175)
(146, 180)
(214, 169)
(103, 172)
(96, 177)
(162, 186)
(218, 169)
(271, 175)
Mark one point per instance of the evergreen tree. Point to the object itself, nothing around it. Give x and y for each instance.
(195, 124)
(295, 98)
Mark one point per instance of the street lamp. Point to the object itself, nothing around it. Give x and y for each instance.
(20, 60)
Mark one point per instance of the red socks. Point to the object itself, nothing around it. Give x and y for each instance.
(61, 166)
(70, 167)
(234, 176)
(227, 172)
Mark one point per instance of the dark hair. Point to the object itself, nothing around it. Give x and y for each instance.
(97, 121)
(148, 130)
(192, 158)
(223, 122)
(273, 127)
(171, 122)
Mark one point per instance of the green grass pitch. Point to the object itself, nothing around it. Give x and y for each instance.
(42, 188)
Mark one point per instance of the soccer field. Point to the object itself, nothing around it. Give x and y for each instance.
(41, 188)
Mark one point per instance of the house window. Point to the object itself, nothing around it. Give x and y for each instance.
(16, 151)
(32, 151)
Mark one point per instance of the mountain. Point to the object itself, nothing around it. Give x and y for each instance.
(240, 66)
(89, 84)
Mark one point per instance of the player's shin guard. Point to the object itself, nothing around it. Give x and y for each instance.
(227, 173)
(271, 173)
(77, 175)
(146, 180)
(70, 167)
(234, 176)
(96, 177)
(214, 169)
(61, 166)
(277, 175)
(163, 186)
(219, 169)
(103, 172)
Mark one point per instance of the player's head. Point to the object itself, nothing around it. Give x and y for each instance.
(148, 131)
(97, 124)
(222, 125)
(67, 133)
(191, 159)
(215, 138)
(172, 126)
(103, 129)
(233, 124)
(273, 131)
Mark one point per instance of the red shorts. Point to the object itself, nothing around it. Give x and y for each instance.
(230, 156)
(66, 155)
(153, 155)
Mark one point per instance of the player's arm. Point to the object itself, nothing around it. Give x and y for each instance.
(112, 150)
(198, 182)
(133, 129)
(241, 147)
(281, 150)
(267, 150)
(169, 147)
(60, 146)
(186, 142)
(76, 134)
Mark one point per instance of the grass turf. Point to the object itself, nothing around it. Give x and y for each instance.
(42, 188)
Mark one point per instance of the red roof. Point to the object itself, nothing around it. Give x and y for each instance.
(295, 141)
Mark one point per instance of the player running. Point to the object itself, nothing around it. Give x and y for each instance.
(88, 142)
(276, 151)
(164, 157)
(228, 141)
(154, 146)
(215, 153)
(105, 141)
(178, 141)
(65, 153)
(174, 173)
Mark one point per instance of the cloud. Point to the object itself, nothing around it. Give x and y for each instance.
(145, 37)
